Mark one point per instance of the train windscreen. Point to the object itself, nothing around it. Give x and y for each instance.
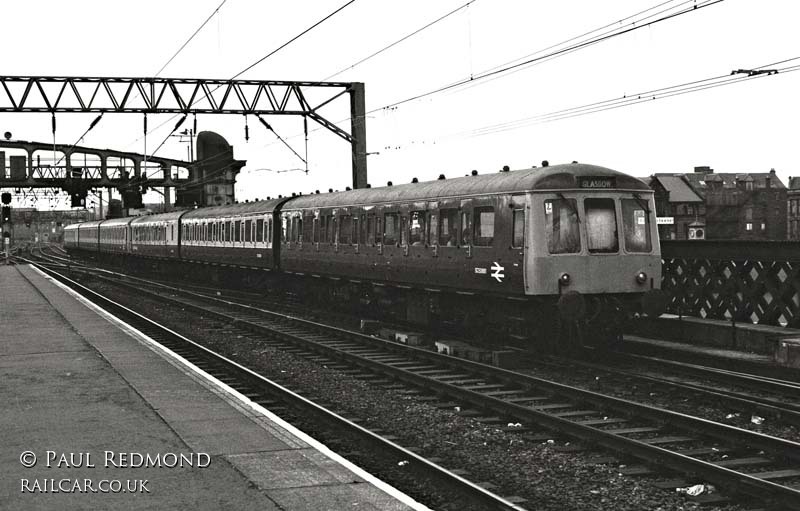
(561, 219)
(601, 225)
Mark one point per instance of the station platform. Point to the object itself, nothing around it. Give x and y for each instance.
(95, 416)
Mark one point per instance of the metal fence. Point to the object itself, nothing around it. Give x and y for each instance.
(744, 281)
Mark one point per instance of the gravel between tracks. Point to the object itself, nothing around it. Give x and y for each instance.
(535, 470)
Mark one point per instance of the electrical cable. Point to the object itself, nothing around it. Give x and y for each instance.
(262, 59)
(498, 71)
(391, 45)
(215, 11)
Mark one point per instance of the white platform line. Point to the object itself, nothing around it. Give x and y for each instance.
(236, 398)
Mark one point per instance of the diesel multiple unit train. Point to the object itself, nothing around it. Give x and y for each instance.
(517, 252)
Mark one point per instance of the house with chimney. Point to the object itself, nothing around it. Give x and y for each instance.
(738, 206)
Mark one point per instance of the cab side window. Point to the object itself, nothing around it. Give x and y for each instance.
(518, 234)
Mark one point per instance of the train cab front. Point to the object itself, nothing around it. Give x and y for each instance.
(596, 250)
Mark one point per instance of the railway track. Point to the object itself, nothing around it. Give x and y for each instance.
(741, 461)
(278, 398)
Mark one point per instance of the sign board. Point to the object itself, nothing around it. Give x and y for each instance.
(665, 220)
(597, 182)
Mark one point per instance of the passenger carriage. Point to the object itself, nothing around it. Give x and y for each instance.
(156, 235)
(89, 236)
(237, 235)
(115, 235)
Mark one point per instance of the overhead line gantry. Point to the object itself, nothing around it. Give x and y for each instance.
(58, 94)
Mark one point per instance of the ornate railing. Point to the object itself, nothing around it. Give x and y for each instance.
(744, 281)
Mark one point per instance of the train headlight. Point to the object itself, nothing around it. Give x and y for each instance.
(564, 279)
(641, 277)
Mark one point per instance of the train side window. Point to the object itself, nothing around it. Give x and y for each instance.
(448, 231)
(636, 222)
(259, 230)
(284, 226)
(378, 231)
(248, 225)
(601, 225)
(466, 228)
(316, 230)
(416, 235)
(484, 226)
(354, 241)
(308, 228)
(298, 229)
(331, 229)
(269, 232)
(363, 225)
(518, 234)
(433, 228)
(237, 231)
(391, 225)
(561, 222)
(404, 230)
(370, 240)
(345, 229)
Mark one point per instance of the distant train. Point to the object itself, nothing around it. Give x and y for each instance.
(516, 252)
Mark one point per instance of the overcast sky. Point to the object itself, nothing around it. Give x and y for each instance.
(744, 127)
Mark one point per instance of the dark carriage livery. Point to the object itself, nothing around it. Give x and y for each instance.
(506, 253)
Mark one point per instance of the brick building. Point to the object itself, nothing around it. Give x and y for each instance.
(676, 200)
(793, 209)
(745, 206)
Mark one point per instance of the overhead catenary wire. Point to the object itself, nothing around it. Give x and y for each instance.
(628, 100)
(580, 45)
(634, 23)
(215, 11)
(398, 41)
(262, 59)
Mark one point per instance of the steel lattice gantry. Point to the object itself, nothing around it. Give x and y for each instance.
(52, 94)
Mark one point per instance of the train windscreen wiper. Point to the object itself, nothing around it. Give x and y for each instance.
(643, 203)
(571, 206)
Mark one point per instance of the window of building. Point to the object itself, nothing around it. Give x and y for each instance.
(636, 223)
(448, 231)
(748, 226)
(518, 234)
(416, 235)
(391, 228)
(601, 225)
(484, 226)
(561, 221)
(763, 226)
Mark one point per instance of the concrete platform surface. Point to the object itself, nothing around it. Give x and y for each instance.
(94, 416)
